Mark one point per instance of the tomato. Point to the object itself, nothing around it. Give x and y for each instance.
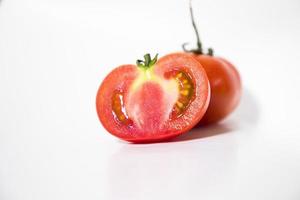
(224, 81)
(153, 100)
(225, 87)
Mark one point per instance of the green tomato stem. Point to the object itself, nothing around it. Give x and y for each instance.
(147, 63)
(199, 49)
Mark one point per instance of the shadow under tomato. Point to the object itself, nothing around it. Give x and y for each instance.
(246, 116)
(158, 170)
(204, 132)
(247, 113)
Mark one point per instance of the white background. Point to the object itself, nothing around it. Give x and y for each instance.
(55, 53)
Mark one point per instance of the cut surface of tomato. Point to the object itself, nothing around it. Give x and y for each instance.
(155, 100)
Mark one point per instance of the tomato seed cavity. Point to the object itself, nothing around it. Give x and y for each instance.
(186, 92)
(118, 108)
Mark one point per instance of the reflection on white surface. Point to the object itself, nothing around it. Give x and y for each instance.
(177, 168)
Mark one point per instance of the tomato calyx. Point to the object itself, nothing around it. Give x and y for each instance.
(199, 49)
(148, 62)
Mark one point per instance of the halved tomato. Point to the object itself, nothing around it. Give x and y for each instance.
(153, 100)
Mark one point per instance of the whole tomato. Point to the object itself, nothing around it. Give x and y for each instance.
(224, 79)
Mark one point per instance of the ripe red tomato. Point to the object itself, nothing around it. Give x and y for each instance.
(225, 87)
(224, 81)
(153, 101)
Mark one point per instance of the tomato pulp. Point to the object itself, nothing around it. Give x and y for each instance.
(153, 101)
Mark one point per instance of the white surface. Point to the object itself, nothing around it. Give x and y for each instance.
(55, 53)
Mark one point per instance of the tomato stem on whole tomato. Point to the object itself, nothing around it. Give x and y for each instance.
(147, 62)
(210, 52)
(199, 49)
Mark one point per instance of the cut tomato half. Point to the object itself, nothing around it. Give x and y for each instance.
(153, 101)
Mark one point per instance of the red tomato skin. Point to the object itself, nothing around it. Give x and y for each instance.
(225, 84)
(126, 74)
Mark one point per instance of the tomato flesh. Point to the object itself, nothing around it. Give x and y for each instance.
(154, 104)
(148, 108)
